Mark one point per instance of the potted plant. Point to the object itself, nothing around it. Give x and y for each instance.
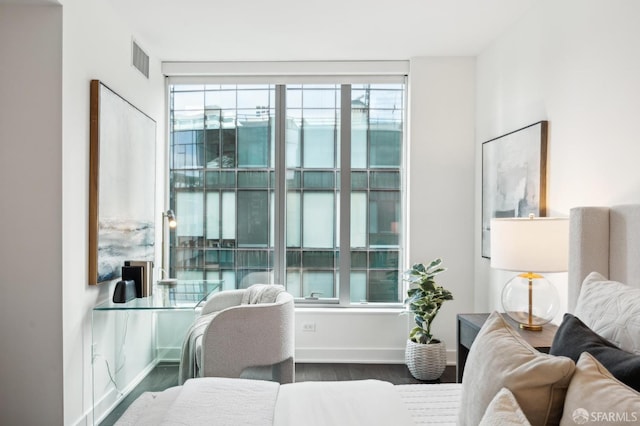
(425, 356)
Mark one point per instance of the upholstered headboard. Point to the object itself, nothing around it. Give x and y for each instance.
(605, 240)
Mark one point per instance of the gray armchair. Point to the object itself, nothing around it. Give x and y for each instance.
(248, 340)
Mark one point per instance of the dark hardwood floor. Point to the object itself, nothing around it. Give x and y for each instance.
(165, 375)
(398, 374)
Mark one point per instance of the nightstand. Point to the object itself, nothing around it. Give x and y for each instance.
(469, 325)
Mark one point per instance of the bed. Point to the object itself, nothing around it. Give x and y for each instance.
(505, 382)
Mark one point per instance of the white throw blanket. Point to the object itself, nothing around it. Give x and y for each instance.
(261, 293)
(188, 366)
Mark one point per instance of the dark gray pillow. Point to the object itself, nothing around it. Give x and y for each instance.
(574, 337)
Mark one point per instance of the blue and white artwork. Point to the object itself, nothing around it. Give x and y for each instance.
(126, 190)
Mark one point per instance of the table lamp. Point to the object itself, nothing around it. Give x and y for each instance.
(171, 219)
(530, 246)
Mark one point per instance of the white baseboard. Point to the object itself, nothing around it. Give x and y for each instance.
(168, 354)
(358, 355)
(340, 355)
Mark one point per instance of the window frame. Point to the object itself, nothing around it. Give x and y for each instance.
(343, 272)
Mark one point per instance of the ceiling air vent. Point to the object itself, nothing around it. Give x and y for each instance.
(139, 59)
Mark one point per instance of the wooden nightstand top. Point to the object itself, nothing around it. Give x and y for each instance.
(470, 324)
(538, 339)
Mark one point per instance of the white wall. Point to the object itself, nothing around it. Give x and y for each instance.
(351, 335)
(575, 63)
(97, 45)
(31, 215)
(441, 162)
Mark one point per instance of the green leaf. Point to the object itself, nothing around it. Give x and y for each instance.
(437, 271)
(418, 267)
(434, 263)
(428, 286)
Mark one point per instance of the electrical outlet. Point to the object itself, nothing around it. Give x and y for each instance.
(94, 348)
(309, 327)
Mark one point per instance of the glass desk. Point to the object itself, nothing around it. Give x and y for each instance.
(185, 294)
(130, 339)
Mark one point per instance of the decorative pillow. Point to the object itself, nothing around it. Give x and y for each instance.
(596, 397)
(503, 410)
(574, 337)
(499, 358)
(612, 310)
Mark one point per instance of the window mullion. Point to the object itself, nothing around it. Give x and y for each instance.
(344, 270)
(280, 246)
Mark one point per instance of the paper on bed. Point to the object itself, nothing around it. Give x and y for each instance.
(222, 401)
(360, 402)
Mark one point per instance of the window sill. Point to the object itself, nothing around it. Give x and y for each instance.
(350, 310)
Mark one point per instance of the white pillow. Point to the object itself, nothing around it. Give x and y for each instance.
(503, 410)
(612, 310)
(596, 397)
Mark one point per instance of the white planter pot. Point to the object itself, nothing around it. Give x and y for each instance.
(426, 361)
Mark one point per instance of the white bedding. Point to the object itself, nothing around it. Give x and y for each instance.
(365, 402)
(204, 402)
(149, 409)
(228, 401)
(218, 401)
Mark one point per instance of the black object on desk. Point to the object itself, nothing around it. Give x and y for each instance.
(135, 274)
(124, 291)
(143, 277)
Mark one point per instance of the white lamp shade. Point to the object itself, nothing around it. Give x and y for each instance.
(530, 244)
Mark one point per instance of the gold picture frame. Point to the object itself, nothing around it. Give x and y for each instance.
(121, 184)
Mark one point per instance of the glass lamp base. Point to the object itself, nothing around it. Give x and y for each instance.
(530, 300)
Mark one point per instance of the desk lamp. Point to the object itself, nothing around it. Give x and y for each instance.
(171, 219)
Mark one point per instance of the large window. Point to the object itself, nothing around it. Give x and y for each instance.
(263, 179)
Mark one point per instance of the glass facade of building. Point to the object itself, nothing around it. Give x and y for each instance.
(223, 182)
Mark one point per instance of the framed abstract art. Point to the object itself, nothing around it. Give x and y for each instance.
(514, 169)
